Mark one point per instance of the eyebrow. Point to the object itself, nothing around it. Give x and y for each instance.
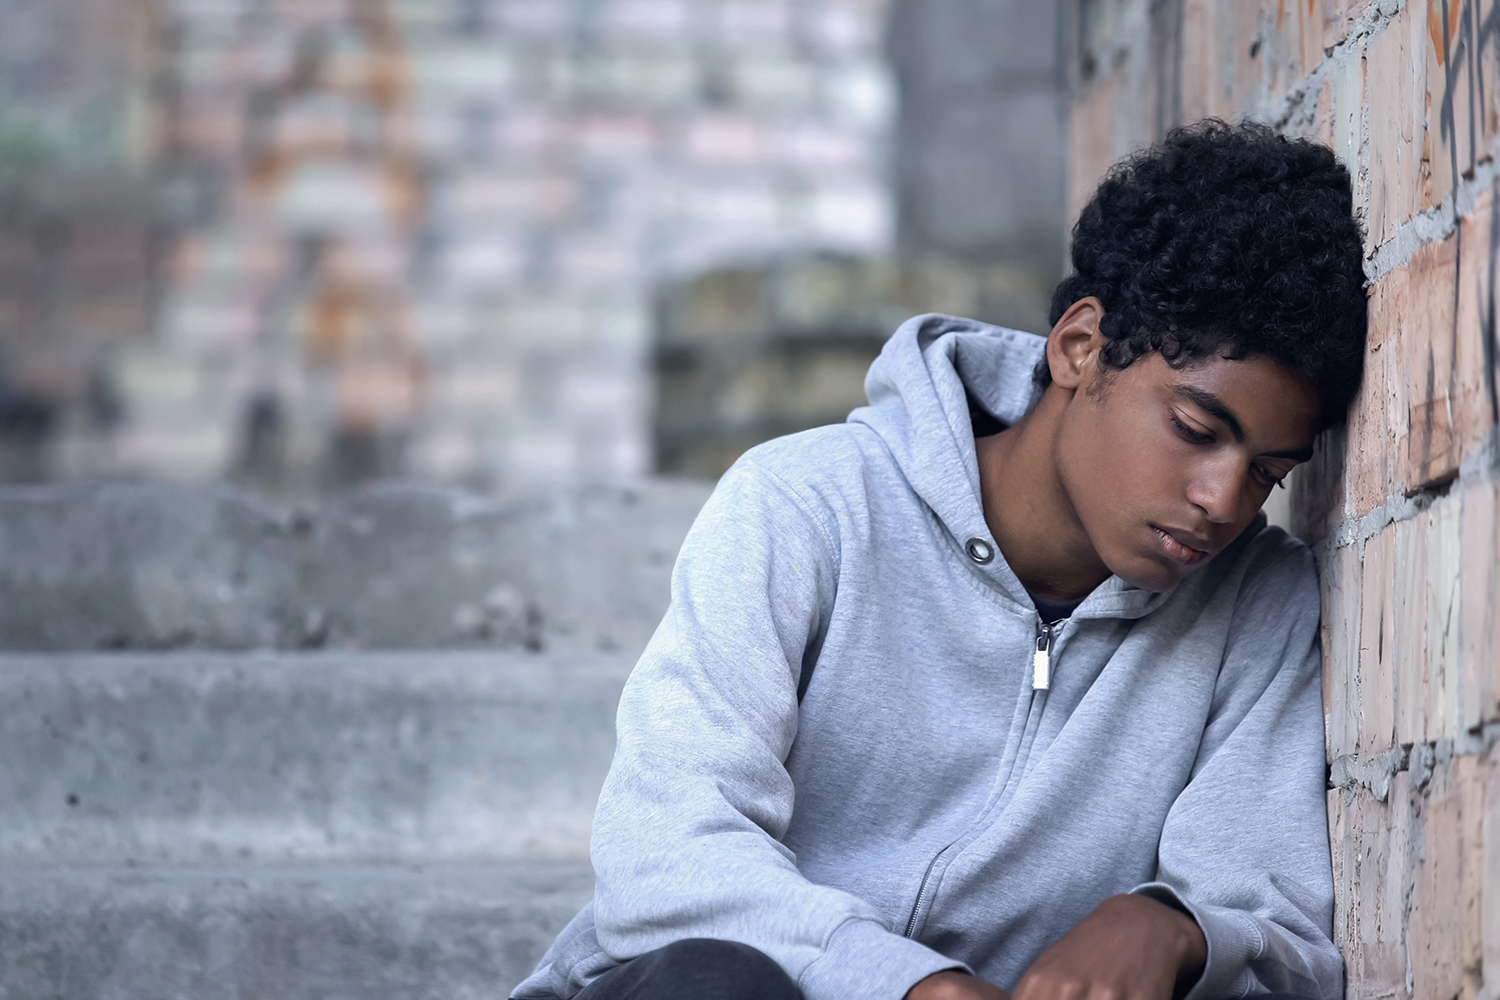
(1214, 406)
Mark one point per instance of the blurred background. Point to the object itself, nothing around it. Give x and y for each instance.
(375, 357)
(498, 244)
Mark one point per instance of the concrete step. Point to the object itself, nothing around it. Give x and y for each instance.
(190, 759)
(210, 566)
(320, 933)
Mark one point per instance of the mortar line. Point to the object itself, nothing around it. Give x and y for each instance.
(1480, 466)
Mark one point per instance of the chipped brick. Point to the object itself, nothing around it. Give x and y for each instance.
(1409, 603)
(1445, 923)
(1376, 678)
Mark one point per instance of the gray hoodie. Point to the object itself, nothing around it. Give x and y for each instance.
(842, 748)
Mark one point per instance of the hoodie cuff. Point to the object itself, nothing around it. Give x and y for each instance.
(863, 959)
(1232, 942)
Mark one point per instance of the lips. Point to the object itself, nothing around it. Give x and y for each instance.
(1181, 546)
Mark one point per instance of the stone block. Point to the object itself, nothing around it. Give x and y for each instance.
(1396, 93)
(1341, 652)
(1445, 922)
(1409, 602)
(1377, 646)
(1479, 599)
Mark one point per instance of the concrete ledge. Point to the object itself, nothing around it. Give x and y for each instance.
(294, 934)
(209, 566)
(209, 758)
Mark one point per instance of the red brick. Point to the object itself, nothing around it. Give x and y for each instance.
(1409, 602)
(1348, 74)
(1426, 367)
(1318, 488)
(1370, 848)
(1282, 50)
(1443, 674)
(1470, 402)
(1311, 17)
(1396, 99)
(1377, 644)
(1490, 894)
(1372, 418)
(1091, 147)
(1445, 923)
(1210, 42)
(1241, 38)
(1479, 595)
(1341, 617)
(1460, 128)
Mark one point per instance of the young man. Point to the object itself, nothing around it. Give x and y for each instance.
(1004, 684)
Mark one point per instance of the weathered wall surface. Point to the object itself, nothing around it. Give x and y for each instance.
(410, 237)
(1401, 504)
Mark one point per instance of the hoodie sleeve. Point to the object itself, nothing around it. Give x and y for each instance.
(1245, 847)
(686, 838)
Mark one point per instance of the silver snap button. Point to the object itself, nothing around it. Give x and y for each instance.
(980, 550)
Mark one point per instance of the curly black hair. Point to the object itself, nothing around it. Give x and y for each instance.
(1231, 240)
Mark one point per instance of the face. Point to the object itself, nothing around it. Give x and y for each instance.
(1165, 466)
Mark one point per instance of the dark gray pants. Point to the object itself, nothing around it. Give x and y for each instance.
(695, 969)
(705, 969)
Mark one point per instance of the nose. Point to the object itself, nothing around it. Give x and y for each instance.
(1217, 488)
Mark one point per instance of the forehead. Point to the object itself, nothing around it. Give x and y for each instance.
(1265, 397)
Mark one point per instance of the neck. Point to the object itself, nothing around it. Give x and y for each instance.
(1028, 509)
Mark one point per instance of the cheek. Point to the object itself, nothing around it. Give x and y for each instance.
(1133, 466)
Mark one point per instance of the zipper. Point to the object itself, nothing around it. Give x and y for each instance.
(1041, 680)
(1041, 660)
(911, 921)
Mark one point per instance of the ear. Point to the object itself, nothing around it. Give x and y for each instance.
(1074, 343)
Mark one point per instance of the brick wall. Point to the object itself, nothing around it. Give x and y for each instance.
(418, 237)
(1400, 505)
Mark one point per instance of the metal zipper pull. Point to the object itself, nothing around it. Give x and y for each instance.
(1041, 660)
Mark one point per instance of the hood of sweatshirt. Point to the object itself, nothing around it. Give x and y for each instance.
(918, 390)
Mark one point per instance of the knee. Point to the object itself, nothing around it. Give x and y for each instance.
(723, 970)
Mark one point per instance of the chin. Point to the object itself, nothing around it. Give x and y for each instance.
(1148, 574)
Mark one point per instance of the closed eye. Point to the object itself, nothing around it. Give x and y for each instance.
(1187, 433)
(1269, 479)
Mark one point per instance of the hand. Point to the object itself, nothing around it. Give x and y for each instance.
(1129, 948)
(955, 985)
